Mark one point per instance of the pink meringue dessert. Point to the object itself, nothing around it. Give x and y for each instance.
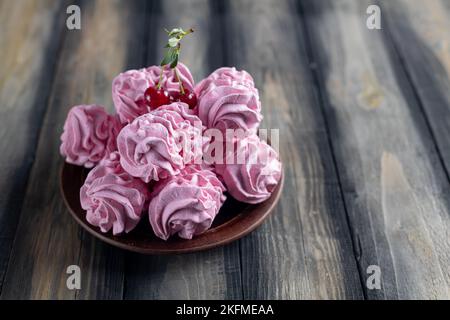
(147, 158)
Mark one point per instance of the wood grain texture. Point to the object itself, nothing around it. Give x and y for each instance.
(396, 190)
(304, 251)
(48, 240)
(30, 35)
(421, 33)
(214, 274)
(364, 123)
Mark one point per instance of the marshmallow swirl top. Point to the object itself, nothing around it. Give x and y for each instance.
(159, 144)
(186, 204)
(112, 198)
(255, 173)
(228, 99)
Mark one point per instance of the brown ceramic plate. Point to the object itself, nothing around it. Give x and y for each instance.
(235, 220)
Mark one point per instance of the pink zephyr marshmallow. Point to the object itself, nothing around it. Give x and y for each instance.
(186, 204)
(159, 144)
(255, 173)
(89, 135)
(113, 198)
(228, 99)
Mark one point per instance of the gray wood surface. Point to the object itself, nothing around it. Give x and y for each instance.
(421, 34)
(307, 240)
(395, 188)
(29, 37)
(364, 136)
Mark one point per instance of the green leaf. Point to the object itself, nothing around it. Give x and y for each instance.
(173, 46)
(174, 62)
(168, 57)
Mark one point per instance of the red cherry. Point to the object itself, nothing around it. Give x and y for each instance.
(173, 97)
(188, 97)
(156, 97)
(142, 104)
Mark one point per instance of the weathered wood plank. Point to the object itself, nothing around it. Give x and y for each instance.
(396, 190)
(214, 274)
(48, 239)
(304, 251)
(30, 34)
(421, 32)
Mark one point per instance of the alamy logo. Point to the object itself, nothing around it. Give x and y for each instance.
(73, 282)
(374, 279)
(73, 21)
(374, 20)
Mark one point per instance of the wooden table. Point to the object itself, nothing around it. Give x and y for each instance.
(364, 119)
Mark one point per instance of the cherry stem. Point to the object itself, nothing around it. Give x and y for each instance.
(179, 80)
(160, 78)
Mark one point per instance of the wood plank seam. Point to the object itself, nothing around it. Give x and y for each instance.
(277, 265)
(382, 193)
(219, 8)
(357, 250)
(417, 97)
(58, 22)
(395, 50)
